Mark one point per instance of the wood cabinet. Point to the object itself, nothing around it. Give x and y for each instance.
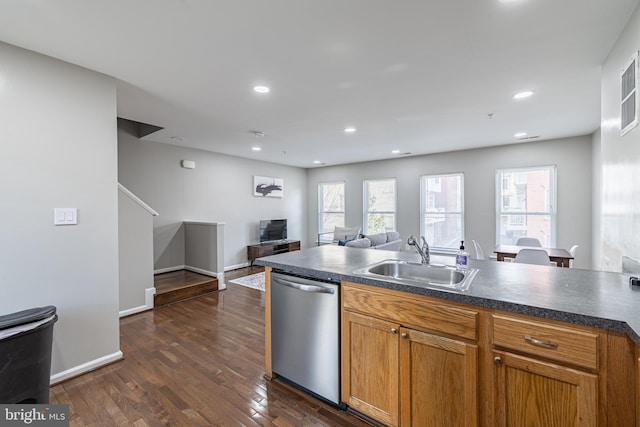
(410, 360)
(531, 392)
(271, 248)
(401, 364)
(370, 374)
(438, 380)
(547, 375)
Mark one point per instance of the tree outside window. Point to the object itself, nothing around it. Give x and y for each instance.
(380, 206)
(331, 206)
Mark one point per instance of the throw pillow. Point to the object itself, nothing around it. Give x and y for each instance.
(344, 241)
(377, 239)
(392, 235)
(359, 243)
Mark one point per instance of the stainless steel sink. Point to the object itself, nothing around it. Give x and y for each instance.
(421, 275)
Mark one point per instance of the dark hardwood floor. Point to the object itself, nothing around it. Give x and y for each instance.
(181, 285)
(198, 362)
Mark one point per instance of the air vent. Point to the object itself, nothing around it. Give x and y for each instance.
(629, 95)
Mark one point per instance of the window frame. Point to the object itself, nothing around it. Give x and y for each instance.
(365, 203)
(321, 212)
(423, 211)
(550, 195)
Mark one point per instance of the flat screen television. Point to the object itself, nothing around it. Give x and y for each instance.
(273, 229)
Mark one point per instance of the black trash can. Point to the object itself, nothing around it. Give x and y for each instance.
(25, 355)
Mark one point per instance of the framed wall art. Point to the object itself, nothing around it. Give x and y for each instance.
(264, 186)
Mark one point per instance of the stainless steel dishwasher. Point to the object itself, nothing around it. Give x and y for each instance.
(305, 333)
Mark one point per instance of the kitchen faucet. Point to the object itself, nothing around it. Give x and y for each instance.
(423, 251)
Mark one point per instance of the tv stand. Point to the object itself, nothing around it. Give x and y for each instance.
(271, 248)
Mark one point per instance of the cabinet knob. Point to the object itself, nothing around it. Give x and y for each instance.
(404, 335)
(394, 330)
(497, 360)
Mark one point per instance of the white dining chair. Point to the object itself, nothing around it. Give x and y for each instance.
(532, 256)
(479, 252)
(529, 241)
(572, 252)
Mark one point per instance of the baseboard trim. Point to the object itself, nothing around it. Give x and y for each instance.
(86, 367)
(134, 310)
(237, 266)
(148, 297)
(219, 275)
(169, 269)
(148, 304)
(201, 271)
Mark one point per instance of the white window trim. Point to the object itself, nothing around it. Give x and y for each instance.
(553, 192)
(320, 223)
(423, 192)
(365, 203)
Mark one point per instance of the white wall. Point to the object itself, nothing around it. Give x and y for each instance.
(571, 155)
(596, 186)
(135, 255)
(58, 149)
(620, 165)
(219, 189)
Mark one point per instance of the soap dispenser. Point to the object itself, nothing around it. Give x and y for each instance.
(462, 258)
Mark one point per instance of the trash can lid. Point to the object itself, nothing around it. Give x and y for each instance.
(26, 316)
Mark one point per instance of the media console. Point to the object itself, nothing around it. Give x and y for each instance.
(271, 248)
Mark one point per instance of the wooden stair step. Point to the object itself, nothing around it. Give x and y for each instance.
(180, 285)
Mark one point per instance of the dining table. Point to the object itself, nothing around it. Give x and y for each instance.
(560, 256)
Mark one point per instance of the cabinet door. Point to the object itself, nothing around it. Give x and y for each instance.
(370, 367)
(530, 392)
(438, 380)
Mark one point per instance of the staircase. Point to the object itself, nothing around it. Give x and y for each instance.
(181, 285)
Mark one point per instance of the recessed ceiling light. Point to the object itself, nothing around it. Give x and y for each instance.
(524, 94)
(520, 134)
(261, 89)
(350, 130)
(256, 148)
(395, 152)
(316, 162)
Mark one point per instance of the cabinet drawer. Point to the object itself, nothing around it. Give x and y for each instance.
(564, 344)
(412, 311)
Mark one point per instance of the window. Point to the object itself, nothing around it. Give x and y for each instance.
(526, 206)
(331, 212)
(442, 210)
(379, 206)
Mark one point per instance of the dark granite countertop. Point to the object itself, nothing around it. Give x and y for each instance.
(593, 298)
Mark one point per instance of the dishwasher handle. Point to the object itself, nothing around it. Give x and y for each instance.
(302, 287)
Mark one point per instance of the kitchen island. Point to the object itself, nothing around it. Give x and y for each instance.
(563, 337)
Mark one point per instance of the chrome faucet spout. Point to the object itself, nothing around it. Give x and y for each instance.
(423, 251)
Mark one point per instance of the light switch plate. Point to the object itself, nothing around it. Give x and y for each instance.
(65, 216)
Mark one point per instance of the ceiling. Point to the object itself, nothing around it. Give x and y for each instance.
(418, 76)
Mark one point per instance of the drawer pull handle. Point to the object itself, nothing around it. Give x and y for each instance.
(394, 330)
(404, 335)
(534, 341)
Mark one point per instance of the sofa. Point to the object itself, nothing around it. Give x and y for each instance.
(339, 234)
(389, 241)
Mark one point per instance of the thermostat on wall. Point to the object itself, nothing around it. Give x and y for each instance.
(188, 164)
